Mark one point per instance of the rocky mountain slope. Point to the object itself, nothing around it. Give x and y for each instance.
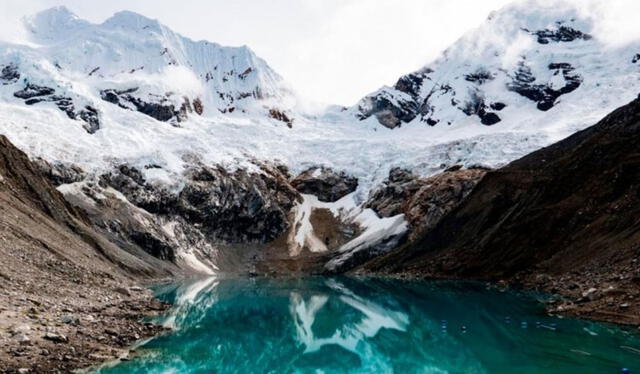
(196, 153)
(563, 218)
(62, 283)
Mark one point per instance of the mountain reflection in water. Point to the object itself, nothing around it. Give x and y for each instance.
(348, 325)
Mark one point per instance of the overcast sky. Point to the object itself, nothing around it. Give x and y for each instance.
(332, 51)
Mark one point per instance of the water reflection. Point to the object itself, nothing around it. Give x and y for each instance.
(351, 335)
(345, 325)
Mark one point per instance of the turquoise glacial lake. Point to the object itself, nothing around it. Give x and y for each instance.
(346, 325)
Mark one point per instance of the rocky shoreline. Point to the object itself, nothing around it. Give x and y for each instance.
(76, 329)
(570, 297)
(88, 326)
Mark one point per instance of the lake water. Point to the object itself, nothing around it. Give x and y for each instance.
(346, 325)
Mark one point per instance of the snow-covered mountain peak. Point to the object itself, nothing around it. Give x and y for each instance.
(527, 58)
(133, 63)
(128, 19)
(53, 24)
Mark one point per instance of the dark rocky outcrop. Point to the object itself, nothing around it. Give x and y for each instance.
(33, 94)
(237, 206)
(523, 83)
(325, 183)
(281, 116)
(476, 106)
(198, 107)
(566, 213)
(160, 107)
(480, 77)
(411, 84)
(344, 262)
(91, 118)
(59, 174)
(9, 74)
(423, 200)
(131, 183)
(561, 34)
(387, 112)
(32, 90)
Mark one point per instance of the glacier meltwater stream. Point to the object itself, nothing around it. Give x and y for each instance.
(346, 325)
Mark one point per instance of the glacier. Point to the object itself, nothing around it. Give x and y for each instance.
(131, 91)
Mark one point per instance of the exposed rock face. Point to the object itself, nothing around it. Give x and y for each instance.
(59, 174)
(344, 262)
(325, 183)
(544, 94)
(214, 206)
(281, 116)
(476, 106)
(158, 107)
(390, 111)
(561, 34)
(238, 206)
(480, 76)
(32, 90)
(410, 84)
(137, 230)
(131, 183)
(423, 201)
(9, 74)
(198, 107)
(34, 94)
